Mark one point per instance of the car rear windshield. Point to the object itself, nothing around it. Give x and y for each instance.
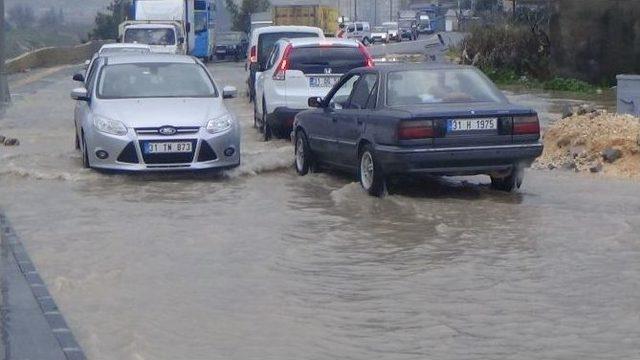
(326, 59)
(440, 86)
(150, 36)
(266, 42)
(147, 80)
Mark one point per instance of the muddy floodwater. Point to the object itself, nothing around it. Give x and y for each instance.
(259, 263)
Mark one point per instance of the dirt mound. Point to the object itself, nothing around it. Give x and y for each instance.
(597, 142)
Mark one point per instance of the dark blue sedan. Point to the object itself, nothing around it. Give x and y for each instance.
(417, 119)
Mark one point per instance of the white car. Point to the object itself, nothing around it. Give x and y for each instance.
(261, 44)
(392, 30)
(379, 34)
(299, 69)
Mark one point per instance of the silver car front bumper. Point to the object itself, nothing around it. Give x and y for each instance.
(209, 151)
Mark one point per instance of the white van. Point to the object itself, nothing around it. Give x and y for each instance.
(359, 30)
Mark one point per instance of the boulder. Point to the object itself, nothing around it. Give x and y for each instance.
(610, 155)
(567, 111)
(596, 168)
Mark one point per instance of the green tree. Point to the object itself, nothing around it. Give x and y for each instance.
(106, 24)
(241, 15)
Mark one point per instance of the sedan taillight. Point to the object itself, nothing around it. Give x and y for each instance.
(416, 130)
(526, 125)
(253, 56)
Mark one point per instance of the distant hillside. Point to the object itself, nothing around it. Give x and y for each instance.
(81, 11)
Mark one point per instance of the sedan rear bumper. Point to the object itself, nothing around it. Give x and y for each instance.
(456, 161)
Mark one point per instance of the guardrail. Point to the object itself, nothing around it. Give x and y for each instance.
(53, 56)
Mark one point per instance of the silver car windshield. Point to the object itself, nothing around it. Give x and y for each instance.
(445, 86)
(153, 80)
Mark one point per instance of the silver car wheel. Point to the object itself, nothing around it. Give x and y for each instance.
(300, 154)
(366, 170)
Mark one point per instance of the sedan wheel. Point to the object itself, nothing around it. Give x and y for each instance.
(304, 159)
(371, 176)
(509, 183)
(85, 154)
(255, 116)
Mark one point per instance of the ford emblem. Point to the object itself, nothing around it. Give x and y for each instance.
(167, 130)
(328, 71)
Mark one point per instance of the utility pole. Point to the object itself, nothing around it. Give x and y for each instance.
(5, 96)
(375, 12)
(390, 10)
(355, 10)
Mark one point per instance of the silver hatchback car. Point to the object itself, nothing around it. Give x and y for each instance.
(154, 112)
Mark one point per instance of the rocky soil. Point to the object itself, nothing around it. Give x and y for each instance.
(596, 142)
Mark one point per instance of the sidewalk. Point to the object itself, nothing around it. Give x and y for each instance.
(32, 326)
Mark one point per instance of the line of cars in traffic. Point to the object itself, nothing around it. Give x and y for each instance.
(141, 111)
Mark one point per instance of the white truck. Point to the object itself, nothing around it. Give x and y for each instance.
(162, 37)
(165, 25)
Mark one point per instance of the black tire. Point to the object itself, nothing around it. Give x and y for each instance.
(509, 183)
(304, 161)
(266, 129)
(255, 116)
(370, 174)
(85, 154)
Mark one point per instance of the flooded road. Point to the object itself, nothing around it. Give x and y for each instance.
(259, 263)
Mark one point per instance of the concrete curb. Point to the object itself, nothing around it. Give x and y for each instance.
(15, 256)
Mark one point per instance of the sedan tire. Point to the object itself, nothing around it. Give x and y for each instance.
(304, 158)
(370, 173)
(85, 154)
(509, 183)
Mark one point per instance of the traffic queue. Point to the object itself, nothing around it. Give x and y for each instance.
(141, 111)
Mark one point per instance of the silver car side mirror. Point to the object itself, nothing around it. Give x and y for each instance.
(229, 92)
(80, 94)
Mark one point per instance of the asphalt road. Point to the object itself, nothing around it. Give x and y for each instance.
(259, 263)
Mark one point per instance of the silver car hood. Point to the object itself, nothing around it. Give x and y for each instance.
(156, 112)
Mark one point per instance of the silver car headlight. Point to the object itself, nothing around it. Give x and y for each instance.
(220, 124)
(109, 126)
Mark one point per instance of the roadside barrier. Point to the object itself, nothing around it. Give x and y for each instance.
(53, 56)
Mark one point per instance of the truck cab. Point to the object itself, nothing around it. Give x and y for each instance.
(163, 38)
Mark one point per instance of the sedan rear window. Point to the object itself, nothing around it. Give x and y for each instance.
(146, 80)
(267, 40)
(445, 86)
(326, 59)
